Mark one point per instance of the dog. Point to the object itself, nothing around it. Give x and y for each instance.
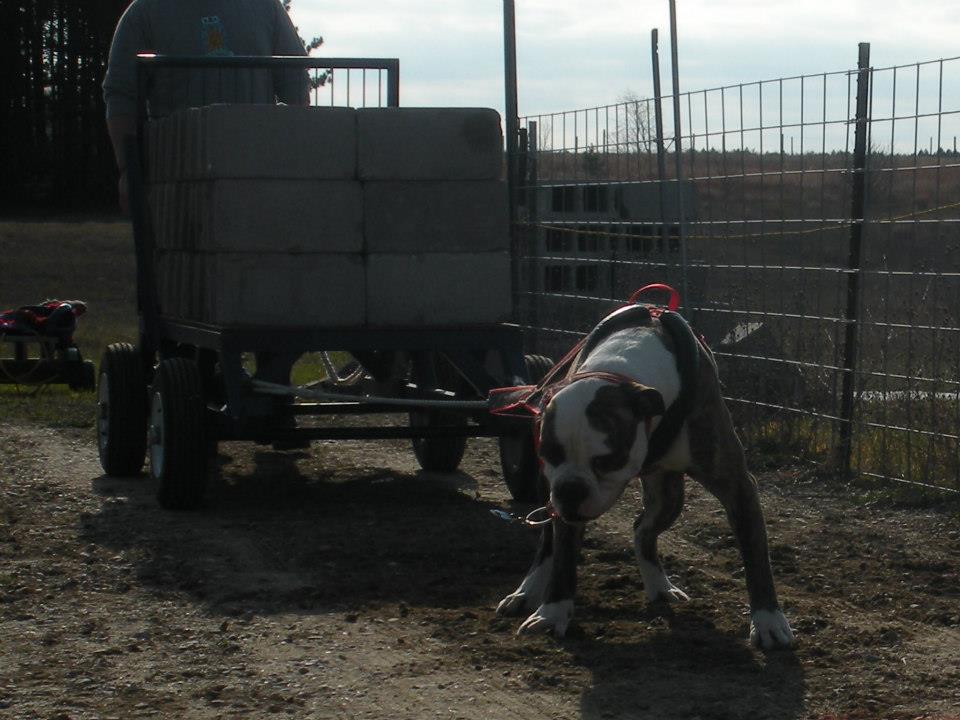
(605, 423)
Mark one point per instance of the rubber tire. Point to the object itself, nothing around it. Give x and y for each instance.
(181, 470)
(88, 378)
(122, 444)
(518, 460)
(442, 455)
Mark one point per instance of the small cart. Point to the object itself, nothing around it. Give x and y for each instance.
(183, 387)
(36, 350)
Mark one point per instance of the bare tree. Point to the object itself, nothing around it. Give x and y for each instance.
(635, 131)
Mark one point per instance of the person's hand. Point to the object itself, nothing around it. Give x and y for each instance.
(122, 194)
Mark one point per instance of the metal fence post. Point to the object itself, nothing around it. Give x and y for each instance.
(533, 236)
(512, 125)
(857, 206)
(658, 114)
(678, 150)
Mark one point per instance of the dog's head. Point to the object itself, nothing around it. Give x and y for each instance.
(593, 441)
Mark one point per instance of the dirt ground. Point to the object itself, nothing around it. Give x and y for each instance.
(344, 583)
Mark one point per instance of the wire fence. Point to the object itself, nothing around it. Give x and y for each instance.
(822, 264)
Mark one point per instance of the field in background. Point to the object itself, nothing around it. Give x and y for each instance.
(89, 261)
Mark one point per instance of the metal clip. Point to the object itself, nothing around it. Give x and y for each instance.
(527, 520)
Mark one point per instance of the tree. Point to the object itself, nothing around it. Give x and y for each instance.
(635, 131)
(319, 79)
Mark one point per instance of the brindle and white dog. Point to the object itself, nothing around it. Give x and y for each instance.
(594, 439)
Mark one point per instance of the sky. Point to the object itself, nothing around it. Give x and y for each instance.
(583, 53)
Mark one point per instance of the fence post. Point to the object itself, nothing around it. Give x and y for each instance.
(533, 220)
(857, 222)
(658, 114)
(678, 151)
(512, 131)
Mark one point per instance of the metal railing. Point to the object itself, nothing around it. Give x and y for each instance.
(820, 219)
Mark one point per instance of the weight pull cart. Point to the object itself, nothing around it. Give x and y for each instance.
(183, 388)
(39, 340)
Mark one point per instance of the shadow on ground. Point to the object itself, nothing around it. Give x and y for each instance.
(276, 539)
(689, 670)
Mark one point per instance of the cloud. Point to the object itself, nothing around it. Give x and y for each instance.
(575, 54)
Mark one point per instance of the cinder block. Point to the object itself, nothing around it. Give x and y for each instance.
(253, 141)
(283, 290)
(277, 141)
(437, 289)
(436, 216)
(229, 289)
(176, 288)
(429, 144)
(272, 215)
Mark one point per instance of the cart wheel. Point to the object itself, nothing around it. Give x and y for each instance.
(121, 411)
(440, 454)
(87, 379)
(178, 450)
(521, 469)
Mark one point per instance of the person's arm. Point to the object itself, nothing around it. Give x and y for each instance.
(292, 86)
(120, 127)
(120, 88)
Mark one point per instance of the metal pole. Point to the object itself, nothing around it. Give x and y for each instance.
(393, 83)
(857, 205)
(658, 114)
(677, 148)
(512, 123)
(536, 234)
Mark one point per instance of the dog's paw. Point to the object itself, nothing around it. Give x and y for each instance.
(770, 630)
(549, 618)
(671, 595)
(514, 604)
(657, 586)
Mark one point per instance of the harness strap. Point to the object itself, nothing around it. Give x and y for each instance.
(688, 365)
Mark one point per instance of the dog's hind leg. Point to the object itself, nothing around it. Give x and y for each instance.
(556, 610)
(530, 594)
(662, 502)
(730, 482)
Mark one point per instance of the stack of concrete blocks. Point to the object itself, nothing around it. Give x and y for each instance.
(435, 216)
(292, 216)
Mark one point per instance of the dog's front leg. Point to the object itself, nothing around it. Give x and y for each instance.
(768, 625)
(662, 502)
(556, 608)
(532, 590)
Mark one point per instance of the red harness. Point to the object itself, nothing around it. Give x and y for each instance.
(534, 398)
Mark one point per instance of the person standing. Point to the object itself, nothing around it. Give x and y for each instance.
(211, 28)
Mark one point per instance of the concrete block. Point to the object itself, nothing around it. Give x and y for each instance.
(263, 215)
(436, 216)
(429, 144)
(230, 289)
(253, 141)
(436, 289)
(277, 141)
(319, 289)
(177, 294)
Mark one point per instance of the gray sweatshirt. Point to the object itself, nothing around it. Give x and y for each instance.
(209, 28)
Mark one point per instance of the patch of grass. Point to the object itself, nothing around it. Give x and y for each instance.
(892, 465)
(89, 261)
(787, 439)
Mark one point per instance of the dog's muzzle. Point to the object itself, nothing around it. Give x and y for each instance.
(567, 495)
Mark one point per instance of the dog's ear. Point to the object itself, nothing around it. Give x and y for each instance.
(645, 401)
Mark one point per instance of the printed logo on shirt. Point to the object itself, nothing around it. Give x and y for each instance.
(213, 36)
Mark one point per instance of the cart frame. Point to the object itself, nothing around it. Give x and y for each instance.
(232, 409)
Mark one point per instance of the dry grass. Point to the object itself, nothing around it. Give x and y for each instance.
(89, 261)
